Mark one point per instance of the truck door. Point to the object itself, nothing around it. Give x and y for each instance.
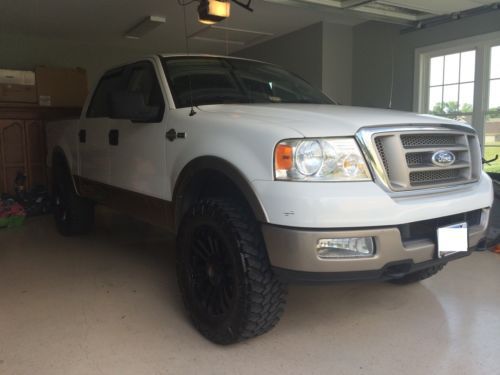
(95, 125)
(138, 153)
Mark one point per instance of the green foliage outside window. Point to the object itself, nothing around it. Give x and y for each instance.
(449, 108)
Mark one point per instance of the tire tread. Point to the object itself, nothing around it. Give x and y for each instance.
(265, 297)
(80, 210)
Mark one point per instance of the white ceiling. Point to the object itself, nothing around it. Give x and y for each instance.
(405, 12)
(105, 21)
(439, 7)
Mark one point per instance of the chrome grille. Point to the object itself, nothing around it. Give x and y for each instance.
(380, 149)
(425, 140)
(402, 157)
(430, 177)
(418, 158)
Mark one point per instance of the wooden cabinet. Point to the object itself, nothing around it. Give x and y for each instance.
(36, 153)
(22, 143)
(22, 150)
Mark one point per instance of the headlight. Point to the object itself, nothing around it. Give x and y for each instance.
(329, 159)
(309, 157)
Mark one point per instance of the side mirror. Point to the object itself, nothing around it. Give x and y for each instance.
(131, 106)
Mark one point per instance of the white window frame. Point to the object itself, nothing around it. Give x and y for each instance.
(482, 44)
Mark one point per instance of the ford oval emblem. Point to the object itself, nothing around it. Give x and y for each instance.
(443, 158)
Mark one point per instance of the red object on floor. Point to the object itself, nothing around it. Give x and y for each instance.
(11, 208)
(12, 214)
(496, 249)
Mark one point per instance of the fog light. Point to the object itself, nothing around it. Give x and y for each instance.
(353, 247)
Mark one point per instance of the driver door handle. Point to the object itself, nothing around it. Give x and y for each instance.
(82, 136)
(113, 137)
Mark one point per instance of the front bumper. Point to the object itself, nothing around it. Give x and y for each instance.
(363, 204)
(292, 252)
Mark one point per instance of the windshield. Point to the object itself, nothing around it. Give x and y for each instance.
(217, 80)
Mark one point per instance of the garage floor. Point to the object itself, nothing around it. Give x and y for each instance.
(108, 304)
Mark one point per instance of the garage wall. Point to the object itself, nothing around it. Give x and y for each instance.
(337, 62)
(320, 53)
(299, 52)
(373, 46)
(27, 52)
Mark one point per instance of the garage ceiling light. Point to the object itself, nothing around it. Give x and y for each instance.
(213, 11)
(229, 35)
(145, 26)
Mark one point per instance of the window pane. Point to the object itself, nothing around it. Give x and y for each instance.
(492, 142)
(435, 97)
(436, 77)
(466, 97)
(451, 83)
(494, 94)
(451, 68)
(467, 65)
(450, 98)
(217, 80)
(495, 62)
(142, 80)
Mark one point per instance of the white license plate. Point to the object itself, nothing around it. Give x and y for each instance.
(452, 239)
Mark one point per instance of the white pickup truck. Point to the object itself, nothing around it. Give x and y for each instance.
(265, 180)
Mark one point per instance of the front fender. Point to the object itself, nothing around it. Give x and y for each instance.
(204, 164)
(62, 136)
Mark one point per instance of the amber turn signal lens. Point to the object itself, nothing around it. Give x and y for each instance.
(284, 157)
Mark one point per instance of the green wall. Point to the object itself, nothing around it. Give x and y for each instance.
(299, 51)
(375, 44)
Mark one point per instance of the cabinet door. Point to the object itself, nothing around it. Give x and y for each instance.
(36, 153)
(12, 153)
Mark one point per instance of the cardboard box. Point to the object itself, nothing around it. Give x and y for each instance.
(18, 93)
(17, 86)
(60, 87)
(17, 77)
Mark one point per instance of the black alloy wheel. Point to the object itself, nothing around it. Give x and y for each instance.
(227, 283)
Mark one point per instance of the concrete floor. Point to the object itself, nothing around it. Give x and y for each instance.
(108, 304)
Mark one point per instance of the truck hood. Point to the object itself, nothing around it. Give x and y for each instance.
(316, 120)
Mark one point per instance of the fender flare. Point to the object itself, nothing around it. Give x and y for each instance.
(211, 163)
(59, 152)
